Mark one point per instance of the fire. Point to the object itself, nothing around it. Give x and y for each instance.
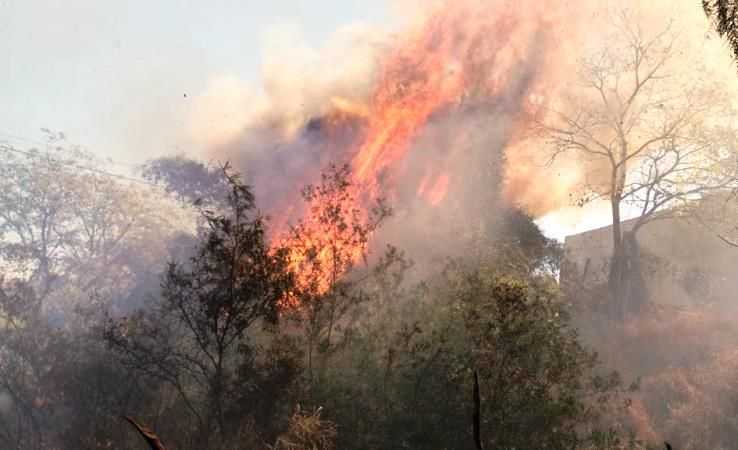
(318, 272)
(332, 238)
(434, 192)
(466, 55)
(423, 74)
(438, 191)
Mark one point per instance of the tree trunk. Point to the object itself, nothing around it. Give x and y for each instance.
(615, 279)
(477, 421)
(625, 281)
(635, 288)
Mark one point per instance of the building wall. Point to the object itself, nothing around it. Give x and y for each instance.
(685, 265)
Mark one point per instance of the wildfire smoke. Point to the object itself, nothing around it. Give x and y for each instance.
(423, 116)
(429, 117)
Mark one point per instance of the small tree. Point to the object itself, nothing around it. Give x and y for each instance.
(196, 340)
(324, 249)
(537, 380)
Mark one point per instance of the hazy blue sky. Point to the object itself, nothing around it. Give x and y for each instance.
(112, 74)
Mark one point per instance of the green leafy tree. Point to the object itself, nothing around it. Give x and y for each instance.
(197, 339)
(410, 386)
(537, 380)
(402, 377)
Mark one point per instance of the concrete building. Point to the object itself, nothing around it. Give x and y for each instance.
(682, 263)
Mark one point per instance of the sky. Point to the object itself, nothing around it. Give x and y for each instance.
(119, 76)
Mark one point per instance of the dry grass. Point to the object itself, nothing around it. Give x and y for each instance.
(307, 431)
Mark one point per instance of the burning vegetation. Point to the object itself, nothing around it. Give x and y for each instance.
(366, 270)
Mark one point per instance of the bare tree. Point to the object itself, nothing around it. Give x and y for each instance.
(653, 143)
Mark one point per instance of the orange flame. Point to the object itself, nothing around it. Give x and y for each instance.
(463, 52)
(438, 191)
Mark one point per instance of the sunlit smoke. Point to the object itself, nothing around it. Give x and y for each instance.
(432, 116)
(463, 73)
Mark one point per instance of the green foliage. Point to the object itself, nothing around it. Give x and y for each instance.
(407, 383)
(197, 340)
(378, 361)
(531, 365)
